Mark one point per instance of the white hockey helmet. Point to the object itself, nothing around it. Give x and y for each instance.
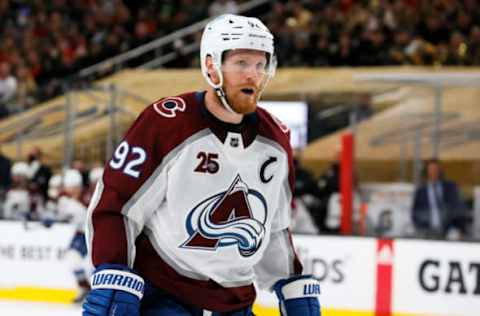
(72, 178)
(21, 169)
(54, 186)
(227, 32)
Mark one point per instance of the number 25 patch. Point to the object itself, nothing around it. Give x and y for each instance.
(208, 163)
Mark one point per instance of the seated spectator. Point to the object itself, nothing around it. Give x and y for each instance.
(456, 50)
(474, 47)
(438, 210)
(17, 200)
(8, 88)
(25, 96)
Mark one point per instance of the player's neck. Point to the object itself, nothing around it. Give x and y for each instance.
(215, 106)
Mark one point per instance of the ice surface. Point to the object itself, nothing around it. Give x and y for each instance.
(18, 308)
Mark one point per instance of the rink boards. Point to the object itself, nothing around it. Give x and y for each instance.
(359, 276)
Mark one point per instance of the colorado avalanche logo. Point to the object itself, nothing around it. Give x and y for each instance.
(168, 107)
(235, 217)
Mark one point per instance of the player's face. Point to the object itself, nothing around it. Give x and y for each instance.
(244, 74)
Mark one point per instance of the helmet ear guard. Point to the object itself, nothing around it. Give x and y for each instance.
(228, 32)
(215, 67)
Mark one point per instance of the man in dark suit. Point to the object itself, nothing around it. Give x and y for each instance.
(437, 206)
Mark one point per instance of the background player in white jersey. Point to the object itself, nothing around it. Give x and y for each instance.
(71, 209)
(17, 200)
(194, 206)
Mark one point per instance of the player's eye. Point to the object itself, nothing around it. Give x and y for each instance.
(261, 67)
(242, 64)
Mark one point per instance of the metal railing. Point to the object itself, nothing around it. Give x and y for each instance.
(429, 127)
(107, 101)
(113, 107)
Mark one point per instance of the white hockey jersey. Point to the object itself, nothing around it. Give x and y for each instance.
(72, 211)
(198, 206)
(17, 204)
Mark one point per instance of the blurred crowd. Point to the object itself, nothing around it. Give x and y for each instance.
(436, 208)
(44, 43)
(31, 191)
(376, 32)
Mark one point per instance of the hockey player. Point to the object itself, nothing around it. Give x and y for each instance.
(194, 205)
(18, 201)
(72, 210)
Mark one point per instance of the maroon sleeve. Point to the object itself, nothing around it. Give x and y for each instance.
(109, 243)
(153, 135)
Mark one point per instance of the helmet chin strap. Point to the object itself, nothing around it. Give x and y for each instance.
(223, 98)
(220, 92)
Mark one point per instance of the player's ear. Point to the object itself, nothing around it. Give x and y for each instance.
(212, 73)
